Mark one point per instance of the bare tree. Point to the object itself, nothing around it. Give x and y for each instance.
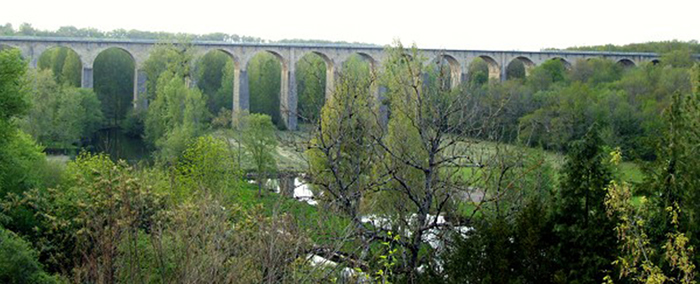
(411, 169)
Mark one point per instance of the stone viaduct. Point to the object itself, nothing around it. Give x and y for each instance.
(288, 54)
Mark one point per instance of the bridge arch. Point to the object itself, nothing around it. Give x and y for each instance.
(627, 63)
(369, 59)
(315, 74)
(331, 68)
(114, 83)
(566, 63)
(482, 69)
(267, 94)
(65, 63)
(364, 65)
(103, 49)
(452, 66)
(236, 61)
(215, 75)
(519, 67)
(494, 68)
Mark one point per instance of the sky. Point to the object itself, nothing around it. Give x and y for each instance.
(487, 24)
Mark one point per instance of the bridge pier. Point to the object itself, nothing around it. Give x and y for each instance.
(86, 80)
(241, 93)
(332, 76)
(288, 99)
(140, 79)
(504, 73)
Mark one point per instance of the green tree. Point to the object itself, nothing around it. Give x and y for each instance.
(20, 157)
(517, 249)
(565, 115)
(61, 115)
(19, 261)
(341, 158)
(208, 164)
(515, 70)
(175, 58)
(114, 84)
(478, 72)
(681, 58)
(422, 151)
(64, 63)
(311, 86)
(264, 80)
(581, 224)
(638, 259)
(215, 79)
(673, 178)
(261, 145)
(175, 117)
(546, 74)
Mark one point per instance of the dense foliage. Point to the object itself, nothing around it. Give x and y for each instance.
(61, 115)
(658, 47)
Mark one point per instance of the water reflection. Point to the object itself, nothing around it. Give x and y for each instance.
(118, 145)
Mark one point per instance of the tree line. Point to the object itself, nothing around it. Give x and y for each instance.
(26, 29)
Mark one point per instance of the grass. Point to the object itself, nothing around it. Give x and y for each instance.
(290, 157)
(322, 226)
(289, 154)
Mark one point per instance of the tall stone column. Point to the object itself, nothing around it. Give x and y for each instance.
(456, 78)
(288, 98)
(140, 79)
(241, 93)
(86, 81)
(504, 73)
(332, 76)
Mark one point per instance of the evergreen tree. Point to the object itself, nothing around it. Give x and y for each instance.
(584, 231)
(674, 178)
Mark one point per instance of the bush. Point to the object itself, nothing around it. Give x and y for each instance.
(19, 261)
(61, 115)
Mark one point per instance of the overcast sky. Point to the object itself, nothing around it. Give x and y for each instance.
(467, 24)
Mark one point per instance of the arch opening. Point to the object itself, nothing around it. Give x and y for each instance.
(64, 63)
(214, 76)
(358, 67)
(519, 68)
(266, 73)
(626, 63)
(113, 77)
(565, 63)
(450, 71)
(314, 79)
(483, 69)
(656, 62)
(369, 59)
